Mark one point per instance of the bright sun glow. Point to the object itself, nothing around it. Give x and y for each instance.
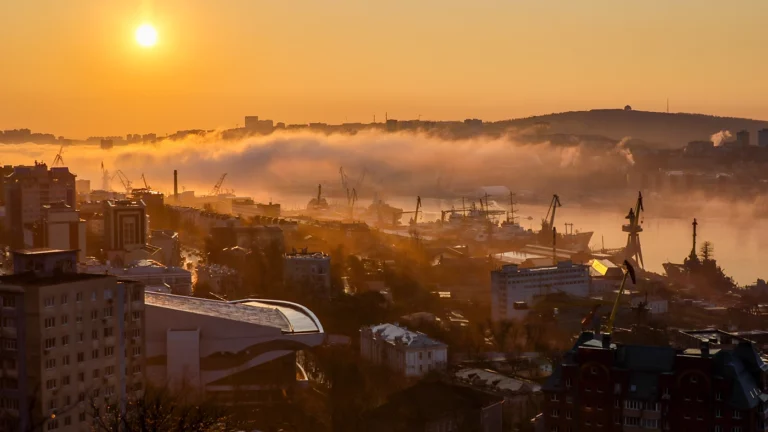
(146, 35)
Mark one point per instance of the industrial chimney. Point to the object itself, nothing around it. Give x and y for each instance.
(175, 185)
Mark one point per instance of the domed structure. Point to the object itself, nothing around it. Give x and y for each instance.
(627, 108)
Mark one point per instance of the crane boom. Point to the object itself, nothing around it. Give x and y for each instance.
(628, 271)
(217, 187)
(552, 209)
(124, 180)
(144, 179)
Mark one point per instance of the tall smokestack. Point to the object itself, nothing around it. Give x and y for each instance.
(175, 185)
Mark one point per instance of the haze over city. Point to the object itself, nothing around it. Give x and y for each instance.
(496, 216)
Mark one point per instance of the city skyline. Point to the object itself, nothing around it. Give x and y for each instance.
(346, 62)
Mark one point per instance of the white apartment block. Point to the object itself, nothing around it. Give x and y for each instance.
(514, 290)
(410, 353)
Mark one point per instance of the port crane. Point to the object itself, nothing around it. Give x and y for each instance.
(548, 223)
(415, 218)
(144, 179)
(633, 230)
(351, 200)
(124, 180)
(58, 160)
(628, 270)
(217, 187)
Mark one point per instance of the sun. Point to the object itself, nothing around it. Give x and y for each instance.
(146, 35)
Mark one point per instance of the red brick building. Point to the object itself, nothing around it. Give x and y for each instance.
(604, 387)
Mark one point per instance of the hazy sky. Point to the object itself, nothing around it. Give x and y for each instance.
(73, 67)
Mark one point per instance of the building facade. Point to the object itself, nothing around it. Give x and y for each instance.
(409, 353)
(225, 350)
(169, 244)
(762, 138)
(62, 228)
(609, 387)
(125, 224)
(27, 189)
(70, 341)
(308, 270)
(514, 289)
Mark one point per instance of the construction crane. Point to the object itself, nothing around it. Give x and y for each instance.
(633, 230)
(217, 187)
(587, 321)
(124, 180)
(105, 178)
(144, 179)
(628, 271)
(58, 160)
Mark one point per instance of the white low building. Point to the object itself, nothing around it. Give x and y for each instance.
(408, 352)
(514, 290)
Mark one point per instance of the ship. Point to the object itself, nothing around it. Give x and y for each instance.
(318, 203)
(382, 214)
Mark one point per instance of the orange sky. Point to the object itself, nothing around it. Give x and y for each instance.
(74, 68)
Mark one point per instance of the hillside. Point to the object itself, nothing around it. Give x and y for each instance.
(662, 129)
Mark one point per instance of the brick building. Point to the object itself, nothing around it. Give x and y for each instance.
(608, 387)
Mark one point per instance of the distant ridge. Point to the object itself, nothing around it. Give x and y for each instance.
(664, 129)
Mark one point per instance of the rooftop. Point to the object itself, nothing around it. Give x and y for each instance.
(392, 333)
(32, 279)
(286, 316)
(496, 380)
(42, 251)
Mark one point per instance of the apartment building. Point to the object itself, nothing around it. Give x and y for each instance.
(27, 189)
(410, 353)
(310, 270)
(514, 290)
(69, 340)
(613, 387)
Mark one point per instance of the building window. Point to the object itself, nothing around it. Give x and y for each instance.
(50, 343)
(107, 294)
(737, 429)
(78, 319)
(94, 334)
(653, 406)
(95, 354)
(93, 296)
(65, 340)
(108, 312)
(94, 314)
(49, 302)
(64, 319)
(631, 421)
(9, 301)
(81, 378)
(81, 416)
(694, 379)
(52, 404)
(109, 371)
(429, 354)
(137, 316)
(568, 382)
(65, 360)
(64, 299)
(137, 333)
(736, 414)
(80, 357)
(568, 414)
(555, 413)
(718, 396)
(65, 381)
(50, 384)
(53, 424)
(616, 403)
(67, 421)
(137, 352)
(633, 404)
(79, 297)
(50, 363)
(554, 397)
(49, 322)
(95, 373)
(109, 351)
(136, 369)
(80, 337)
(108, 331)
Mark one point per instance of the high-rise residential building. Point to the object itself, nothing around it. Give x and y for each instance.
(742, 138)
(27, 189)
(407, 352)
(83, 187)
(69, 341)
(762, 138)
(240, 352)
(515, 289)
(308, 270)
(613, 387)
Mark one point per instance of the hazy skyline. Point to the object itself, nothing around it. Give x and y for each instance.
(74, 68)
